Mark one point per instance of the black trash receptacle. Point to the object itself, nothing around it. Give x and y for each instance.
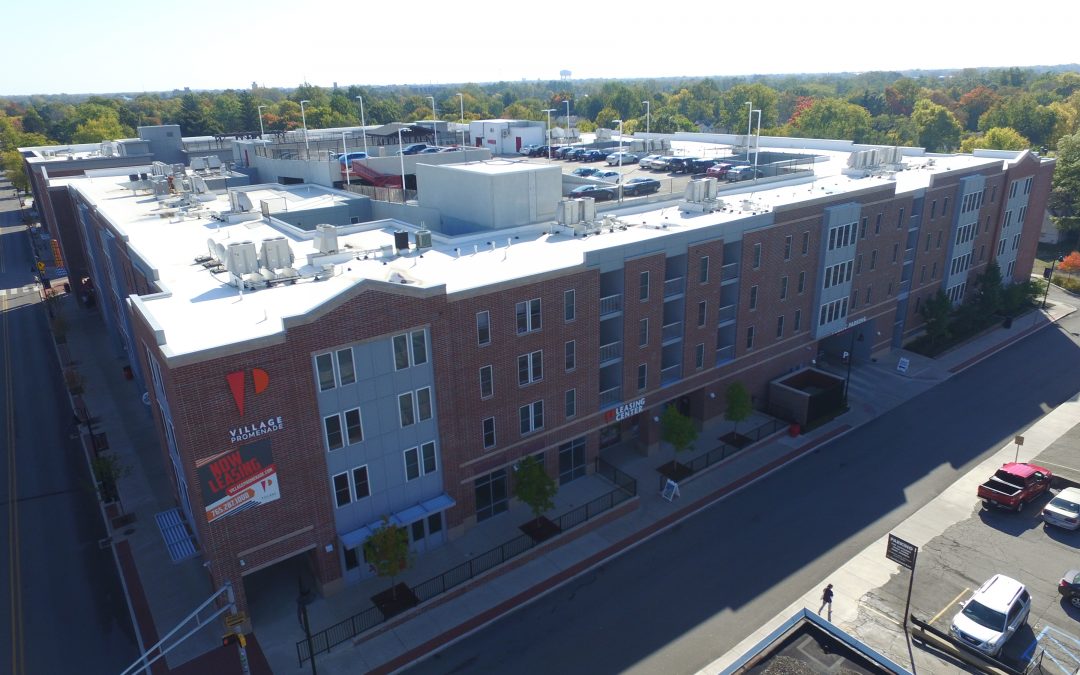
(1007, 323)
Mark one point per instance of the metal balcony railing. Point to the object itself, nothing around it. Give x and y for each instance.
(673, 287)
(610, 397)
(611, 304)
(725, 354)
(671, 374)
(671, 331)
(610, 351)
(729, 271)
(726, 313)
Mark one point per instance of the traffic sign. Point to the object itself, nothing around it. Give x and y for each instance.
(901, 552)
(41, 266)
(235, 619)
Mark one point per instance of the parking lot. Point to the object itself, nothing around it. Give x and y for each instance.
(953, 565)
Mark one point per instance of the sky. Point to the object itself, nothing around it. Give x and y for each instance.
(111, 46)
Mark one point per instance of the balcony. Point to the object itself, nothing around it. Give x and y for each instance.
(610, 352)
(673, 287)
(726, 314)
(670, 374)
(729, 272)
(671, 332)
(725, 354)
(610, 397)
(611, 304)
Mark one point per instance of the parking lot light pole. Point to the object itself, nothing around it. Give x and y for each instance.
(620, 123)
(434, 122)
(363, 125)
(549, 111)
(1050, 278)
(303, 118)
(749, 127)
(461, 98)
(261, 132)
(567, 102)
(648, 118)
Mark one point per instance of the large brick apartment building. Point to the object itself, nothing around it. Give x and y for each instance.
(308, 381)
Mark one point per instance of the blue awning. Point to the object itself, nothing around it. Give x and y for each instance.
(440, 503)
(409, 515)
(356, 537)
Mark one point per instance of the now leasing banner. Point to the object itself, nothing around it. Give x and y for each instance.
(238, 479)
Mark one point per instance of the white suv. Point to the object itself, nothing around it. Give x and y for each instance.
(992, 615)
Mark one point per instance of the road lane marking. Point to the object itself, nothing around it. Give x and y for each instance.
(948, 606)
(882, 615)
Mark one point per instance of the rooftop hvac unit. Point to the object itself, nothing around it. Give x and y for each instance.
(569, 212)
(588, 209)
(213, 162)
(695, 191)
(326, 238)
(160, 185)
(133, 177)
(401, 240)
(423, 239)
(240, 258)
(240, 201)
(710, 187)
(198, 163)
(106, 150)
(159, 169)
(275, 253)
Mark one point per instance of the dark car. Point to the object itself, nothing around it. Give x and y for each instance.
(594, 156)
(600, 194)
(681, 164)
(559, 151)
(741, 173)
(1069, 587)
(641, 186)
(539, 151)
(413, 148)
(577, 154)
(584, 171)
(718, 170)
(703, 165)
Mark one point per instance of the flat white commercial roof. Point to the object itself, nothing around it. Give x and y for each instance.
(202, 310)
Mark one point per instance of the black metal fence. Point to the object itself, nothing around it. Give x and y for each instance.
(726, 450)
(323, 640)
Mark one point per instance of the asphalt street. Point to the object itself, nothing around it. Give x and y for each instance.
(65, 608)
(678, 601)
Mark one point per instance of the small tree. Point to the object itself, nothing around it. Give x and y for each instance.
(107, 472)
(677, 429)
(935, 312)
(988, 290)
(739, 406)
(387, 552)
(534, 486)
(1071, 263)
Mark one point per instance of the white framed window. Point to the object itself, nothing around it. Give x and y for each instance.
(419, 347)
(412, 464)
(346, 370)
(642, 376)
(570, 355)
(361, 485)
(414, 406)
(324, 371)
(779, 326)
(702, 312)
(787, 247)
(643, 333)
(428, 463)
(569, 305)
(528, 315)
(423, 404)
(756, 263)
(783, 288)
(410, 349)
(483, 328)
(354, 428)
(753, 297)
(699, 356)
(570, 403)
(750, 337)
(530, 367)
(797, 324)
(406, 412)
(332, 432)
(703, 269)
(342, 489)
(401, 352)
(487, 386)
(531, 417)
(643, 286)
(489, 432)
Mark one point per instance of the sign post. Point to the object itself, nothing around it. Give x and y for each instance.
(904, 554)
(1019, 441)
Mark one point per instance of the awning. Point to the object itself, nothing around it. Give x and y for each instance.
(402, 518)
(409, 515)
(440, 503)
(356, 537)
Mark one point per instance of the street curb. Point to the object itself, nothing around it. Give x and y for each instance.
(987, 353)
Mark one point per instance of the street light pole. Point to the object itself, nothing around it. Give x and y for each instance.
(648, 116)
(549, 111)
(303, 118)
(757, 144)
(461, 98)
(261, 132)
(1049, 279)
(434, 123)
(850, 358)
(401, 156)
(620, 123)
(749, 128)
(345, 156)
(567, 102)
(363, 124)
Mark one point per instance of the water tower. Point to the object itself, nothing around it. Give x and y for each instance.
(564, 74)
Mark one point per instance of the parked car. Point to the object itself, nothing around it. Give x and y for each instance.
(594, 156)
(628, 158)
(740, 173)
(662, 163)
(527, 150)
(540, 151)
(430, 150)
(413, 148)
(584, 171)
(641, 186)
(646, 161)
(1014, 485)
(564, 150)
(578, 154)
(451, 148)
(1064, 509)
(597, 192)
(703, 165)
(347, 158)
(682, 164)
(1069, 587)
(717, 170)
(993, 615)
(608, 176)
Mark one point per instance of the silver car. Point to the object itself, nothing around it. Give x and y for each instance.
(626, 157)
(1064, 509)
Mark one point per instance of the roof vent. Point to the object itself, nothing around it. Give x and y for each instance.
(326, 239)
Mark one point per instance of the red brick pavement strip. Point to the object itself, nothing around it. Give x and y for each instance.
(595, 559)
(140, 606)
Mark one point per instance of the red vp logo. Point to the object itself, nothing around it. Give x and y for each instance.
(236, 380)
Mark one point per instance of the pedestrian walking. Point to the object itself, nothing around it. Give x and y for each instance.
(826, 599)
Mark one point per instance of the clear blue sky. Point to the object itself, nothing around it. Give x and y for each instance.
(75, 46)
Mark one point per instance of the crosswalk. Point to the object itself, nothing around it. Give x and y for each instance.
(23, 290)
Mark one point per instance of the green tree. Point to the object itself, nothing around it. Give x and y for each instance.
(193, 118)
(937, 127)
(988, 290)
(1064, 201)
(734, 111)
(997, 138)
(32, 122)
(534, 486)
(98, 129)
(935, 312)
(387, 551)
(677, 429)
(739, 405)
(833, 118)
(667, 121)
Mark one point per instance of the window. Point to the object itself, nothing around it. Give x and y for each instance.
(837, 309)
(401, 352)
(869, 293)
(324, 366)
(702, 312)
(643, 333)
(873, 259)
(419, 347)
(352, 558)
(927, 247)
(531, 417)
(753, 297)
(750, 337)
(1027, 185)
(570, 355)
(427, 456)
(703, 270)
(757, 256)
(528, 316)
(434, 523)
(403, 357)
(797, 324)
(483, 328)
(412, 464)
(423, 404)
(802, 282)
(489, 432)
(900, 220)
(569, 305)
(783, 288)
(779, 326)
(922, 274)
(986, 227)
(417, 530)
(361, 487)
(982, 252)
(940, 232)
(346, 372)
(993, 195)
(806, 242)
(342, 492)
(862, 228)
(858, 264)
(877, 223)
(487, 387)
(787, 247)
(895, 251)
(354, 429)
(933, 270)
(841, 236)
(571, 460)
(933, 209)
(945, 206)
(643, 286)
(490, 494)
(530, 367)
(839, 273)
(570, 403)
(405, 409)
(642, 376)
(699, 356)
(332, 428)
(854, 298)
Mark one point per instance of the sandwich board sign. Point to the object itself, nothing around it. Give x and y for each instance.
(670, 491)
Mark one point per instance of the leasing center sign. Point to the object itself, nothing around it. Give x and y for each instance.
(238, 479)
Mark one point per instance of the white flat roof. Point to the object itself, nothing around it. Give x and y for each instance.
(202, 311)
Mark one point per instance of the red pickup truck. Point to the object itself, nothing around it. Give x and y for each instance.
(1014, 485)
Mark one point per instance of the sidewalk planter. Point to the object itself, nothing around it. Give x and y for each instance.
(794, 429)
(128, 375)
